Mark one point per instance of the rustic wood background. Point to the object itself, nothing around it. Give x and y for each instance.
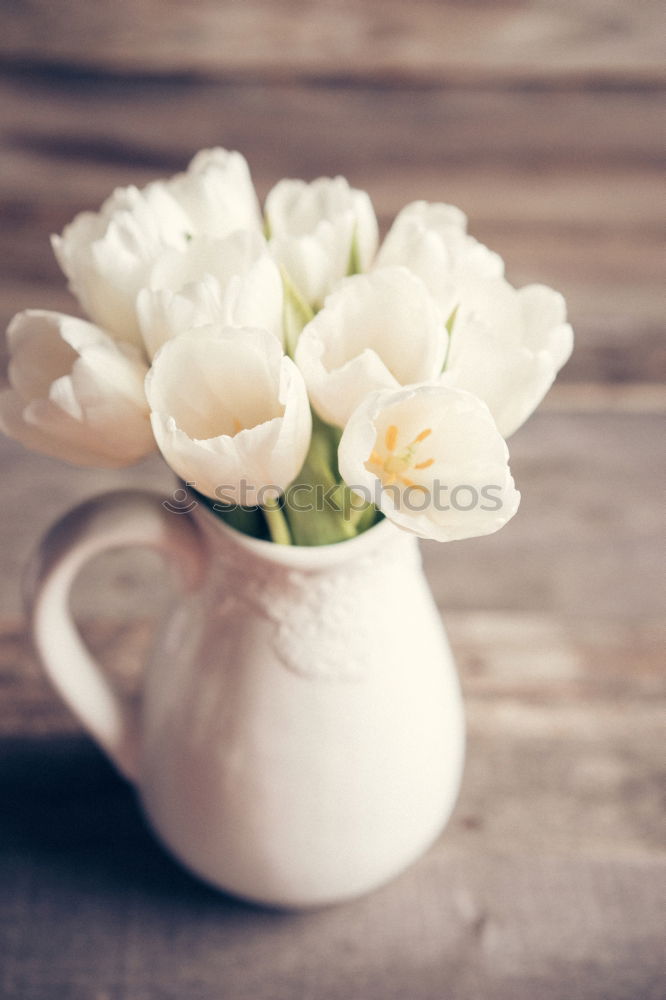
(542, 121)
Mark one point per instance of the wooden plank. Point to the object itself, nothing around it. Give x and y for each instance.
(594, 397)
(557, 685)
(148, 127)
(542, 121)
(376, 39)
(585, 542)
(548, 668)
(586, 538)
(547, 881)
(563, 185)
(528, 679)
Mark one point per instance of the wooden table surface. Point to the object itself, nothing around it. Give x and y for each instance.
(542, 121)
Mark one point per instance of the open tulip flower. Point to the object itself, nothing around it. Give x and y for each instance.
(230, 412)
(432, 460)
(288, 354)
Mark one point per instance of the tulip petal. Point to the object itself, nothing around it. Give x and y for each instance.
(431, 240)
(108, 255)
(217, 193)
(507, 346)
(378, 330)
(75, 393)
(230, 412)
(315, 229)
(229, 282)
(432, 460)
(544, 313)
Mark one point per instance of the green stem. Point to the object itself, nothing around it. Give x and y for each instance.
(359, 518)
(277, 523)
(366, 518)
(324, 524)
(247, 520)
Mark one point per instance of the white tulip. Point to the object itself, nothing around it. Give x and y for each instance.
(230, 413)
(228, 282)
(431, 240)
(315, 231)
(107, 255)
(75, 393)
(432, 459)
(217, 194)
(507, 346)
(377, 331)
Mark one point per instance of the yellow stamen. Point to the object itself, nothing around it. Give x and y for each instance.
(391, 437)
(392, 466)
(395, 463)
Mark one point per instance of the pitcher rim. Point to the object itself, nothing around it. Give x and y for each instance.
(302, 556)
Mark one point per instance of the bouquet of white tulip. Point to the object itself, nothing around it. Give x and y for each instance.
(301, 378)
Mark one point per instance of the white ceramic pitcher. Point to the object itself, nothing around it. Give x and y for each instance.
(299, 737)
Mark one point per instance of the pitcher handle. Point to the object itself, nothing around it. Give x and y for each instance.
(113, 520)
